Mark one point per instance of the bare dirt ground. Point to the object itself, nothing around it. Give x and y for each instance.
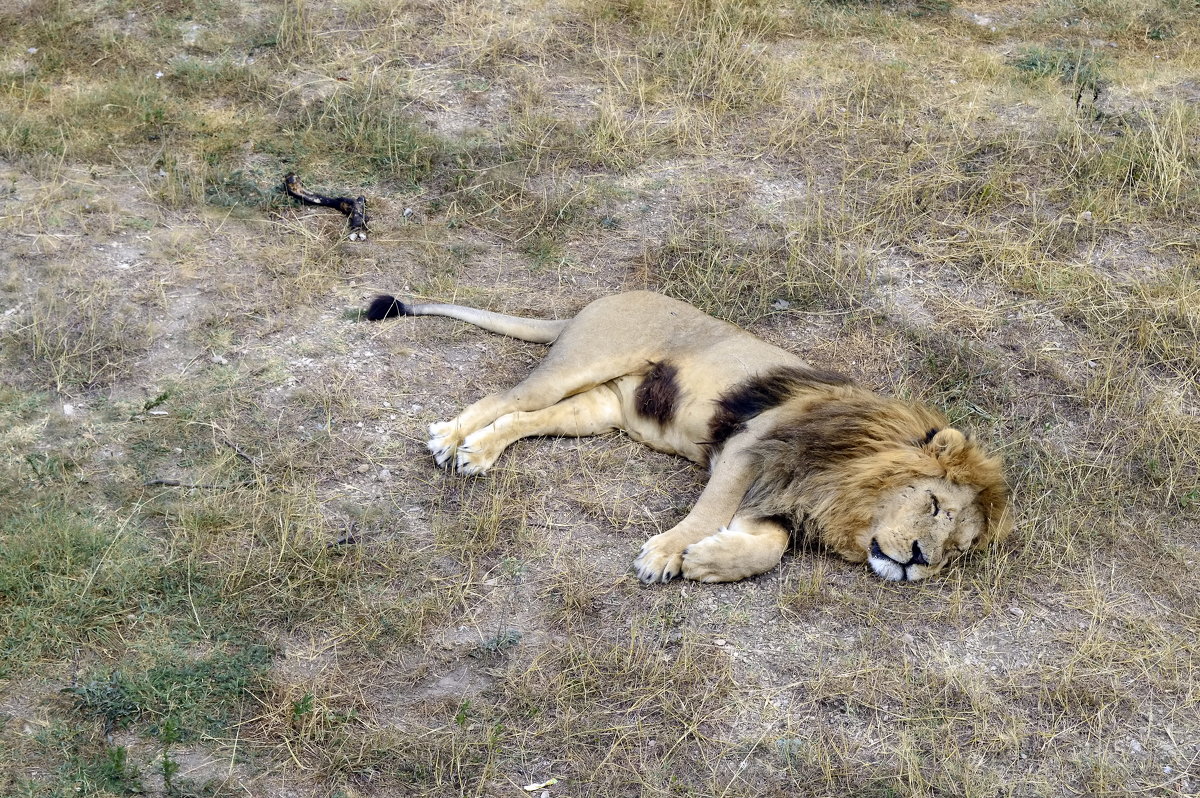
(991, 208)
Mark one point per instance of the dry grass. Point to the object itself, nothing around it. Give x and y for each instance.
(227, 565)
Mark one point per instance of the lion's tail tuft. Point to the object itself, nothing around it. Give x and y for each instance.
(386, 306)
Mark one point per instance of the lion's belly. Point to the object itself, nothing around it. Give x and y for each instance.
(684, 434)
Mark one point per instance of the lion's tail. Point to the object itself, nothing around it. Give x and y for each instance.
(542, 331)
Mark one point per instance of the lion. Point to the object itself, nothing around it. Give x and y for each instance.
(792, 450)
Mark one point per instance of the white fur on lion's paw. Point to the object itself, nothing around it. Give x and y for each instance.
(660, 560)
(441, 441)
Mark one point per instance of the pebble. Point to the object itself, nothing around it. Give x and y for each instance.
(720, 641)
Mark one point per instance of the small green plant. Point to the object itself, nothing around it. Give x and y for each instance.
(494, 646)
(1080, 69)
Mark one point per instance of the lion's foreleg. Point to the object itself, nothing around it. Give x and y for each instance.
(662, 556)
(589, 413)
(744, 548)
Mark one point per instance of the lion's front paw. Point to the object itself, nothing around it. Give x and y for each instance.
(734, 552)
(660, 560)
(714, 559)
(443, 441)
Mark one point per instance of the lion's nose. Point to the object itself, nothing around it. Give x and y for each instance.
(918, 556)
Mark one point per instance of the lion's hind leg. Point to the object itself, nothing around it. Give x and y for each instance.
(589, 413)
(744, 548)
(565, 372)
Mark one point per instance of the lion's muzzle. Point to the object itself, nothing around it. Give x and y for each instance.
(894, 570)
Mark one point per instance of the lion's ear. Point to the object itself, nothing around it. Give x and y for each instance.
(947, 442)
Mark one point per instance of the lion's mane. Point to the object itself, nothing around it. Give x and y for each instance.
(835, 450)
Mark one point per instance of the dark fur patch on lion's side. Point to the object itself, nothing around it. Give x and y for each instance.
(658, 395)
(759, 394)
(385, 306)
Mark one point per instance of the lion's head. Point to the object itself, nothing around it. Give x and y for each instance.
(939, 500)
(883, 482)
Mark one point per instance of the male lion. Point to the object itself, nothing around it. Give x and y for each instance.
(789, 447)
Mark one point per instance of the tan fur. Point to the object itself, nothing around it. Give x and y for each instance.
(790, 449)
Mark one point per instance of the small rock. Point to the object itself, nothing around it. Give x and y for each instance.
(362, 469)
(1017, 611)
(907, 638)
(720, 641)
(383, 476)
(781, 304)
(68, 409)
(220, 360)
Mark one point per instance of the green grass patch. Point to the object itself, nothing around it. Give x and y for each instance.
(67, 582)
(176, 696)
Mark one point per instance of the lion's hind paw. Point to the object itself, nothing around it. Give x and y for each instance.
(469, 461)
(442, 442)
(477, 453)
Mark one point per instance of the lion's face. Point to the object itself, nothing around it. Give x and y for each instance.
(922, 526)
